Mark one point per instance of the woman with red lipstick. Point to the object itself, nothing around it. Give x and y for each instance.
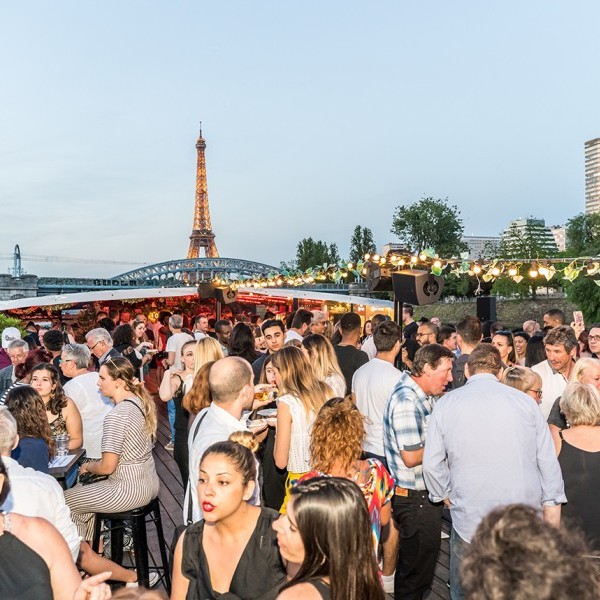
(232, 553)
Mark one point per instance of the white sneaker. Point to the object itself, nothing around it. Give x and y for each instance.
(169, 447)
(388, 583)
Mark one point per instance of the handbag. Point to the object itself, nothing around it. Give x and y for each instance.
(181, 528)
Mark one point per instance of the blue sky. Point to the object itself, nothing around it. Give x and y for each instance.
(318, 116)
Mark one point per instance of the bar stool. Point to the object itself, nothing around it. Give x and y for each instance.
(138, 519)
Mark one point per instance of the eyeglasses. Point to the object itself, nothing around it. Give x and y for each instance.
(538, 393)
(98, 342)
(424, 334)
(64, 360)
(594, 338)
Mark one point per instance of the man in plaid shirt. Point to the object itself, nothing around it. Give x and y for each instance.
(418, 520)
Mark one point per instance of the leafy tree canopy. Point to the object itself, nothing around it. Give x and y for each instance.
(361, 243)
(430, 223)
(311, 253)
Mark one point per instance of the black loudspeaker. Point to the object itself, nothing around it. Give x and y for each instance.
(378, 278)
(226, 295)
(417, 287)
(486, 308)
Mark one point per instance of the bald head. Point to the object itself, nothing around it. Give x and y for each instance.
(227, 378)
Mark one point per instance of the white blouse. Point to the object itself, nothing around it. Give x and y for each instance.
(299, 453)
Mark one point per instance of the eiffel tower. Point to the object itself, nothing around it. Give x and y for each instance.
(202, 235)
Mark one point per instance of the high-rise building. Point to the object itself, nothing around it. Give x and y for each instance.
(481, 246)
(560, 236)
(592, 176)
(524, 236)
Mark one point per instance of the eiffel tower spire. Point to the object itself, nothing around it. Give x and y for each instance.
(202, 235)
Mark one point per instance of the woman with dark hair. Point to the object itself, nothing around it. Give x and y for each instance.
(503, 340)
(520, 339)
(326, 531)
(36, 444)
(36, 561)
(23, 370)
(535, 353)
(232, 552)
(242, 343)
(367, 330)
(62, 413)
(124, 341)
(128, 434)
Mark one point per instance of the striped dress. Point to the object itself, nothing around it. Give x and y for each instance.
(134, 482)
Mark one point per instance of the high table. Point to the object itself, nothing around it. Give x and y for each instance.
(60, 472)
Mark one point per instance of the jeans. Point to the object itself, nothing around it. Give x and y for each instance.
(458, 547)
(171, 412)
(419, 522)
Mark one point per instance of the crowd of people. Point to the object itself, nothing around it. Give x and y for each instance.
(319, 460)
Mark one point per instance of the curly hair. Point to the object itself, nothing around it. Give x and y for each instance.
(58, 400)
(514, 554)
(27, 407)
(337, 435)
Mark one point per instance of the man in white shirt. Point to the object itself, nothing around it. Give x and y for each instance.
(83, 390)
(176, 342)
(232, 391)
(33, 493)
(300, 324)
(368, 345)
(201, 327)
(560, 344)
(372, 385)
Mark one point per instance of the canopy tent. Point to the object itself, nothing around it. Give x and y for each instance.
(131, 293)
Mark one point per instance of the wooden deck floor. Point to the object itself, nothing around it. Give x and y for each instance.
(171, 503)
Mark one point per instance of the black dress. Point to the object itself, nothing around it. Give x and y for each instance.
(258, 575)
(23, 573)
(581, 474)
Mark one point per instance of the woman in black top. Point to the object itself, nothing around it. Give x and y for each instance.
(242, 343)
(123, 341)
(326, 539)
(232, 553)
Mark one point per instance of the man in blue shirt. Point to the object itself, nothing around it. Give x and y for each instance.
(418, 520)
(488, 445)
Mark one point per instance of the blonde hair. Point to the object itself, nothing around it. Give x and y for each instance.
(298, 378)
(580, 403)
(207, 350)
(121, 368)
(322, 356)
(581, 366)
(246, 439)
(521, 378)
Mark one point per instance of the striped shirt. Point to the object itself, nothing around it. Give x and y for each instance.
(404, 428)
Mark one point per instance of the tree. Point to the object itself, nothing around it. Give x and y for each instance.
(361, 243)
(313, 253)
(430, 223)
(583, 239)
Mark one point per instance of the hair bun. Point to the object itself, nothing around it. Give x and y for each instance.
(246, 439)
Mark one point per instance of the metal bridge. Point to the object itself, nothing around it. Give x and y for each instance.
(173, 273)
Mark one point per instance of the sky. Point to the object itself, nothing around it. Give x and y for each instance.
(318, 116)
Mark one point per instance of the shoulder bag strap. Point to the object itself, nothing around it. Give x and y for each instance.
(136, 405)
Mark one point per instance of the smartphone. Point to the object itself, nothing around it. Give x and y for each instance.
(578, 319)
